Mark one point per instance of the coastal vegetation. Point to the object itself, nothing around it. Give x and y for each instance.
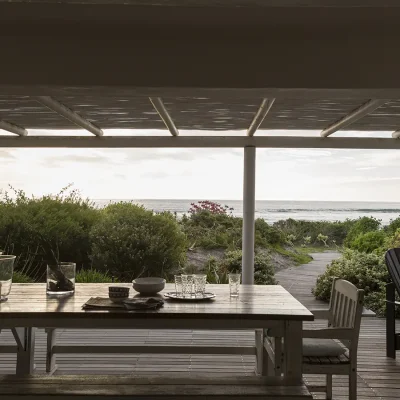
(124, 240)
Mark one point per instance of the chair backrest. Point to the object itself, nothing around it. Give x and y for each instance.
(392, 259)
(345, 308)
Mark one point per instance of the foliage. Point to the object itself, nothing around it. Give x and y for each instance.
(263, 269)
(19, 277)
(393, 241)
(323, 238)
(295, 230)
(266, 234)
(214, 274)
(93, 276)
(47, 229)
(130, 241)
(366, 271)
(210, 206)
(369, 242)
(298, 255)
(393, 226)
(360, 226)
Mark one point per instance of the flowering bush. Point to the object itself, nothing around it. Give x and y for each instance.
(210, 206)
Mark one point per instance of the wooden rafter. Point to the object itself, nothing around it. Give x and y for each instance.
(164, 115)
(9, 127)
(262, 112)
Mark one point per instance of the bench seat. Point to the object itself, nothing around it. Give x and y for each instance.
(146, 388)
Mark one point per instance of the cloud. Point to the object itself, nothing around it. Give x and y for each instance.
(98, 158)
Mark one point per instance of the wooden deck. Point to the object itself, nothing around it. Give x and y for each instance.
(379, 377)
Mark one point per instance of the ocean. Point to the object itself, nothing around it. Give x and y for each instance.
(275, 210)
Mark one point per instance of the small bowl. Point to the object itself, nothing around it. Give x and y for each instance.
(148, 285)
(118, 294)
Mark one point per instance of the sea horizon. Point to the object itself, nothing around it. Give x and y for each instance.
(275, 210)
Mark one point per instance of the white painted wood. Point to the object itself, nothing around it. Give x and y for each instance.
(345, 308)
(199, 142)
(164, 115)
(67, 113)
(355, 115)
(12, 128)
(262, 112)
(293, 350)
(396, 134)
(249, 203)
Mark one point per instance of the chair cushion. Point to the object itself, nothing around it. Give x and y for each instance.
(322, 348)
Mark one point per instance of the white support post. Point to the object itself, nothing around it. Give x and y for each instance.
(249, 198)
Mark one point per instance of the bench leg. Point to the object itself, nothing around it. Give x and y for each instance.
(50, 355)
(25, 338)
(329, 387)
(278, 356)
(390, 321)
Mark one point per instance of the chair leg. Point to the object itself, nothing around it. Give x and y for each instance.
(390, 321)
(353, 385)
(328, 387)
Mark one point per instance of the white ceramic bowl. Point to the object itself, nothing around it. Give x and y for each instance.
(148, 285)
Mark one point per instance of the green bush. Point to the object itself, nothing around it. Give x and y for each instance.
(47, 229)
(369, 242)
(361, 225)
(366, 271)
(20, 277)
(92, 276)
(393, 226)
(130, 241)
(263, 269)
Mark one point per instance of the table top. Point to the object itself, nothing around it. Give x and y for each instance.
(29, 303)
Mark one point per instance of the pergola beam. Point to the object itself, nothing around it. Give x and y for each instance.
(164, 115)
(292, 142)
(262, 112)
(12, 128)
(67, 113)
(396, 134)
(355, 115)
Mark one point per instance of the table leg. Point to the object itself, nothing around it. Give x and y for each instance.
(293, 351)
(25, 338)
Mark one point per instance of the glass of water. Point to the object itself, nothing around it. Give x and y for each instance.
(200, 281)
(234, 283)
(6, 274)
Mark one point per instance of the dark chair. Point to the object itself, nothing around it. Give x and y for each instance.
(392, 259)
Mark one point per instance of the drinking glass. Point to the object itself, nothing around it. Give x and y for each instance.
(234, 282)
(178, 285)
(187, 285)
(61, 278)
(199, 284)
(6, 274)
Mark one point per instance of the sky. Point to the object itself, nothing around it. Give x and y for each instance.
(282, 174)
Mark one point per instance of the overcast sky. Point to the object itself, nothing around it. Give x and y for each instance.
(282, 174)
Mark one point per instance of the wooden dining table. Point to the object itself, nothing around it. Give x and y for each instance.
(257, 307)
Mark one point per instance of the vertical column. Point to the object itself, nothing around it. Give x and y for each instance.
(249, 199)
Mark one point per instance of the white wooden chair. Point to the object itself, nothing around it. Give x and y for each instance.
(332, 350)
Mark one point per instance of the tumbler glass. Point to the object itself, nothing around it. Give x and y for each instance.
(187, 285)
(6, 274)
(178, 285)
(200, 281)
(234, 283)
(61, 278)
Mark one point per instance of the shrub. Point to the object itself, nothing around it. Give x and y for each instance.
(49, 228)
(393, 227)
(263, 269)
(366, 271)
(361, 226)
(92, 276)
(130, 241)
(267, 234)
(19, 277)
(369, 242)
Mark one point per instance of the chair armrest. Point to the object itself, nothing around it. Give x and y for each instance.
(321, 314)
(329, 333)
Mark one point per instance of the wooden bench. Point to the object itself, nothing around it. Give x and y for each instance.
(146, 388)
